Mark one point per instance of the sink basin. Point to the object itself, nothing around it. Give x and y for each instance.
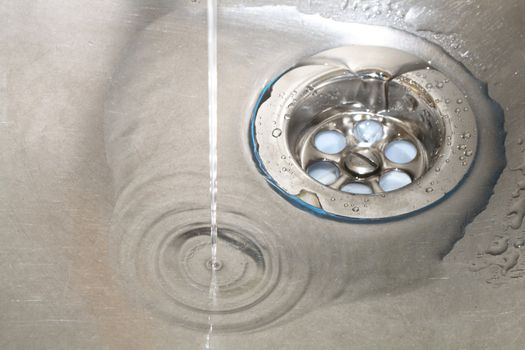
(105, 188)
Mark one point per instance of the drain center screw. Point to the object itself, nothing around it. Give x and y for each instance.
(362, 162)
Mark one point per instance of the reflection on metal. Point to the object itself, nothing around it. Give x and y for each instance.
(79, 247)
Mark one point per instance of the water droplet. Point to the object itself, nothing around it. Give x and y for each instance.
(461, 147)
(465, 109)
(461, 158)
(439, 85)
(464, 163)
(459, 101)
(283, 157)
(438, 170)
(429, 189)
(332, 199)
(277, 132)
(468, 153)
(466, 135)
(346, 204)
(429, 86)
(447, 101)
(457, 110)
(355, 209)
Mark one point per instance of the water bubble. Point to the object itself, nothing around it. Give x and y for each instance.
(277, 132)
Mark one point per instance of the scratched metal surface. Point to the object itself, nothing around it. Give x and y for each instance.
(61, 63)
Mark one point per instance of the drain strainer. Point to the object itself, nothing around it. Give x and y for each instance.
(364, 132)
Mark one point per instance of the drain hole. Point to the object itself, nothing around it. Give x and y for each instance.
(401, 151)
(330, 141)
(394, 180)
(324, 172)
(364, 121)
(368, 131)
(357, 188)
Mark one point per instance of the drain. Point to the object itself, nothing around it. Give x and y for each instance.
(364, 126)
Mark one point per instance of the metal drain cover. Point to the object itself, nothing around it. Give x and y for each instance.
(364, 132)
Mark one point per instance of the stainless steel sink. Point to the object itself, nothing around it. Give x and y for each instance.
(105, 189)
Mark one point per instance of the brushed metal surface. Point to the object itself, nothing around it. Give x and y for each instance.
(71, 71)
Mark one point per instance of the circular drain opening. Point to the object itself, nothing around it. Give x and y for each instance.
(400, 151)
(330, 141)
(350, 126)
(324, 172)
(356, 141)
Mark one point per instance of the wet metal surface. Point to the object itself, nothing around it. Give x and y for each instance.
(104, 169)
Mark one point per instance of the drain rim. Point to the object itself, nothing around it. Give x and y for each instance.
(370, 207)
